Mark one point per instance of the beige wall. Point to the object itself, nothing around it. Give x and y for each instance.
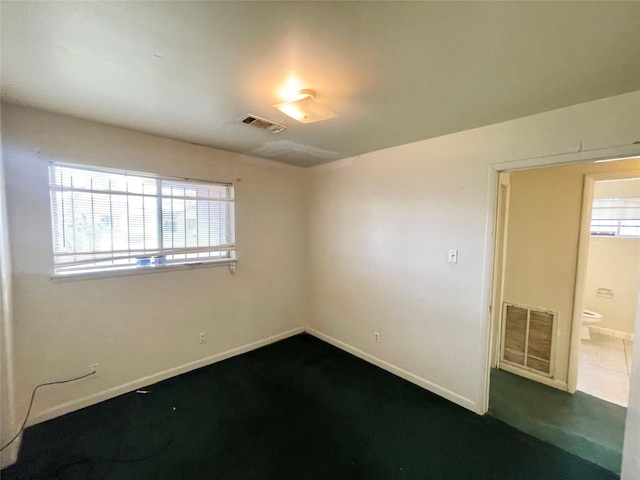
(542, 241)
(142, 328)
(614, 263)
(631, 446)
(7, 419)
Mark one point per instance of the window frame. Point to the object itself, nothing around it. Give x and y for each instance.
(92, 271)
(612, 225)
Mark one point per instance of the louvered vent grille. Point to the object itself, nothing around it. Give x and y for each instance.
(528, 338)
(263, 124)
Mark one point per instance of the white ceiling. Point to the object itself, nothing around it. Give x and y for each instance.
(394, 72)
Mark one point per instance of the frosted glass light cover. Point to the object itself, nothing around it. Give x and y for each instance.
(305, 109)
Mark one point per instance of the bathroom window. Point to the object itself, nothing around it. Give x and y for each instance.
(616, 217)
(108, 220)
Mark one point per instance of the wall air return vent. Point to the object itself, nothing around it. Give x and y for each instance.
(263, 124)
(528, 338)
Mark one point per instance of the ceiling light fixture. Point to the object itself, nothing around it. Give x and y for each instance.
(305, 109)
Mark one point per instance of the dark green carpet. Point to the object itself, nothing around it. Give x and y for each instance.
(587, 426)
(298, 409)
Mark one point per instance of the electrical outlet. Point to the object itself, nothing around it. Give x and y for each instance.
(376, 336)
(93, 368)
(202, 337)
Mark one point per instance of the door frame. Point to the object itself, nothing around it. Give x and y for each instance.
(490, 329)
(497, 291)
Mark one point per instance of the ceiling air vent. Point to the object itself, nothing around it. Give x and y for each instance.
(263, 124)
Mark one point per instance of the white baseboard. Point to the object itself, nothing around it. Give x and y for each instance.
(611, 332)
(98, 397)
(550, 382)
(426, 384)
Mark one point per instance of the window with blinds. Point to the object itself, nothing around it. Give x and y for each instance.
(616, 217)
(111, 220)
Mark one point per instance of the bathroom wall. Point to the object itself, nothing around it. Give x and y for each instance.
(542, 242)
(627, 188)
(614, 263)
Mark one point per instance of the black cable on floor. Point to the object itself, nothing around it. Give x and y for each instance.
(33, 396)
(109, 460)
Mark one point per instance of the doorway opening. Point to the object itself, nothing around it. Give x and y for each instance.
(539, 287)
(611, 288)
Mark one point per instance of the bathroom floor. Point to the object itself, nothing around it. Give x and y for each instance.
(605, 363)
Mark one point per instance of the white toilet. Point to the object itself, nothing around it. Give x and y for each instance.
(588, 318)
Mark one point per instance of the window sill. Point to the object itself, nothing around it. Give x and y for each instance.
(130, 271)
(615, 238)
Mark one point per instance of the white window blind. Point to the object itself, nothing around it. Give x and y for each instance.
(616, 217)
(109, 220)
